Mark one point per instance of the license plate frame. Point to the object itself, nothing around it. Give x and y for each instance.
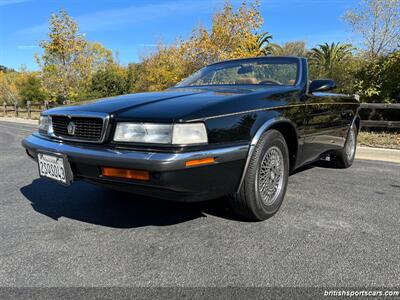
(68, 175)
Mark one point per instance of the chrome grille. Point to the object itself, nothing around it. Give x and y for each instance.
(86, 128)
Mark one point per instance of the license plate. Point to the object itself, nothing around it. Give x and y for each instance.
(53, 167)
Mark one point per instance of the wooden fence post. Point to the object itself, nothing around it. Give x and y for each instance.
(16, 109)
(28, 108)
(4, 109)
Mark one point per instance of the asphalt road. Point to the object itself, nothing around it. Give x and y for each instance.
(335, 228)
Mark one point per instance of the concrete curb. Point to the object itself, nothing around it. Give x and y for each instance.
(381, 154)
(19, 120)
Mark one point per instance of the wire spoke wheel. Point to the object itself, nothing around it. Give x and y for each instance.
(350, 144)
(263, 189)
(271, 175)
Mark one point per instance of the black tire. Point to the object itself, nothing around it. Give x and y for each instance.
(343, 158)
(249, 202)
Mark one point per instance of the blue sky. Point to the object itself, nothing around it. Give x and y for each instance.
(133, 27)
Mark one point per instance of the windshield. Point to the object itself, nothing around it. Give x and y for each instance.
(266, 71)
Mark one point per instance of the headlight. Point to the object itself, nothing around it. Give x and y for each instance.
(143, 133)
(186, 134)
(179, 134)
(45, 125)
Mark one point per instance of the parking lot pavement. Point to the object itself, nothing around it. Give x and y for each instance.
(335, 228)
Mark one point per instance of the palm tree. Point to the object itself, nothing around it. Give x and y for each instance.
(275, 49)
(263, 43)
(326, 57)
(260, 45)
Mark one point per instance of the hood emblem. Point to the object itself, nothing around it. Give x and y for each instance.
(71, 128)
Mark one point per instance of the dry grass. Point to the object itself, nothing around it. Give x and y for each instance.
(380, 139)
(23, 115)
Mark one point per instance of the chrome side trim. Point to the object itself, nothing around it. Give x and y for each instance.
(269, 108)
(254, 142)
(71, 114)
(151, 161)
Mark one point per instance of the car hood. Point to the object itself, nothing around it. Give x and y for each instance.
(172, 105)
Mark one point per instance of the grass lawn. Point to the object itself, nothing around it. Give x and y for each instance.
(380, 139)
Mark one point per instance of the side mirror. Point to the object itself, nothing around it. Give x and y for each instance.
(322, 85)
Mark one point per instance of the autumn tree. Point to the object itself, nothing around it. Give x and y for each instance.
(8, 88)
(378, 24)
(68, 60)
(30, 87)
(133, 75)
(163, 68)
(109, 81)
(233, 34)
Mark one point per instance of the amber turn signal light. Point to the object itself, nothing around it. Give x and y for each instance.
(125, 173)
(197, 162)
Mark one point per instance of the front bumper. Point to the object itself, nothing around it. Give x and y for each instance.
(170, 178)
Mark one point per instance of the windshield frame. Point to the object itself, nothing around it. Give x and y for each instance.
(257, 60)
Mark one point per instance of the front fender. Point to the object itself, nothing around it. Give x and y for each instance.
(269, 124)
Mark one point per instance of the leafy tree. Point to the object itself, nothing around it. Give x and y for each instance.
(109, 81)
(295, 48)
(132, 77)
(30, 88)
(378, 23)
(326, 58)
(68, 60)
(379, 80)
(233, 34)
(261, 46)
(5, 69)
(8, 87)
(162, 69)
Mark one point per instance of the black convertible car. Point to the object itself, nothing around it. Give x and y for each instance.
(234, 128)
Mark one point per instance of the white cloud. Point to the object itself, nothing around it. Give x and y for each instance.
(134, 14)
(27, 47)
(147, 45)
(11, 2)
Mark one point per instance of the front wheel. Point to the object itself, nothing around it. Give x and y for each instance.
(344, 158)
(266, 178)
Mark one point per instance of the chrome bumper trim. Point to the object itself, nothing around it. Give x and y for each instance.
(152, 161)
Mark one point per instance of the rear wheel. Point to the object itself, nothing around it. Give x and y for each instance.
(344, 158)
(264, 186)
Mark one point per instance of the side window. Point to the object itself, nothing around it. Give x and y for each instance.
(283, 73)
(225, 76)
(206, 79)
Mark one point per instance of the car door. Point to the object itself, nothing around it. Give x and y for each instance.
(325, 128)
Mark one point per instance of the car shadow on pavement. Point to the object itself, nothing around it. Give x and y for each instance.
(96, 205)
(316, 164)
